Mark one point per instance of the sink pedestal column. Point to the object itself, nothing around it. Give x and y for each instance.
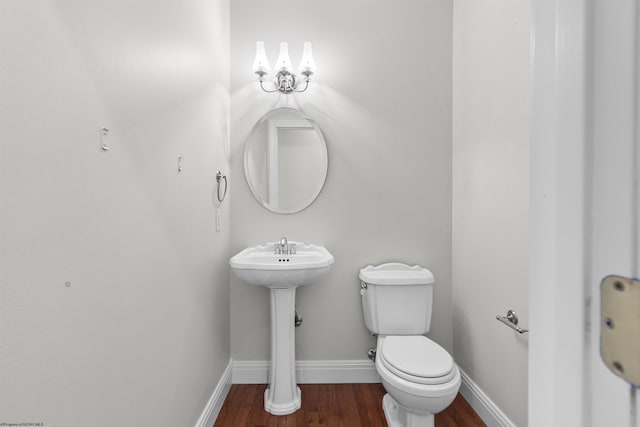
(282, 397)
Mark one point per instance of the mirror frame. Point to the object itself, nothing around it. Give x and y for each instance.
(305, 122)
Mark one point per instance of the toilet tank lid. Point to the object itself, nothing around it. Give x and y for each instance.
(396, 273)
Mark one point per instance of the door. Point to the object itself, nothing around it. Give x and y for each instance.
(584, 204)
(615, 236)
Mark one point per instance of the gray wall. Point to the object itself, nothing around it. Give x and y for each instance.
(491, 110)
(382, 96)
(140, 335)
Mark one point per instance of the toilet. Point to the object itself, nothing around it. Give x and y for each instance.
(419, 376)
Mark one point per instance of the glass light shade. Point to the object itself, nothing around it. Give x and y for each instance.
(307, 65)
(260, 64)
(284, 63)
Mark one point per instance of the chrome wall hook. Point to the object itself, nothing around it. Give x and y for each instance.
(180, 159)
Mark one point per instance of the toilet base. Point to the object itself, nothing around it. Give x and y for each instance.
(397, 416)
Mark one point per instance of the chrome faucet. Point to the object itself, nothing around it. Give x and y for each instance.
(283, 247)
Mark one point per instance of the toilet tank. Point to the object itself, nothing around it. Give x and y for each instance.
(396, 298)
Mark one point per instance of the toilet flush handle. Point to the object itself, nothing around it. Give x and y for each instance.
(363, 287)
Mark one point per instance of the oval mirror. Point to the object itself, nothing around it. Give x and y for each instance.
(285, 160)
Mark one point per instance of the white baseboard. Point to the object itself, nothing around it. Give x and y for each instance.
(482, 404)
(211, 411)
(309, 372)
(250, 372)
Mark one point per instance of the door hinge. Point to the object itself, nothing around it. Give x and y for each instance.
(620, 327)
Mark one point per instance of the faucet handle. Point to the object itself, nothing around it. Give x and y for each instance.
(292, 248)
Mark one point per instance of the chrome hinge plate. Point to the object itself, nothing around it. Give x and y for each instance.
(620, 327)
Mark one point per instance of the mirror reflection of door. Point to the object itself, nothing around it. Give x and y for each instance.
(292, 162)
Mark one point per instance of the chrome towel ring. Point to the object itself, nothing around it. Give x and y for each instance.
(219, 177)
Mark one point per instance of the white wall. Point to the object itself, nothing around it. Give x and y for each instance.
(114, 300)
(491, 109)
(382, 96)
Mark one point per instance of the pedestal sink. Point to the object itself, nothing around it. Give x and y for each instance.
(282, 267)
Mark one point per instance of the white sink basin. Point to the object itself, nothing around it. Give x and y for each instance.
(259, 265)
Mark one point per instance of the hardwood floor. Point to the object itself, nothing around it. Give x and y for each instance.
(328, 405)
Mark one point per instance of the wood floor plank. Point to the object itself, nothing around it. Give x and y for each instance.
(328, 405)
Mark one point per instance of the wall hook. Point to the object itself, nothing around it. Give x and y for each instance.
(180, 158)
(103, 137)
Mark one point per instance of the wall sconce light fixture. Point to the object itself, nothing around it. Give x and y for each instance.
(284, 81)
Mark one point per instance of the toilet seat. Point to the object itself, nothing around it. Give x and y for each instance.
(417, 359)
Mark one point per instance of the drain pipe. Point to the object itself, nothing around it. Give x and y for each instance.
(371, 354)
(297, 319)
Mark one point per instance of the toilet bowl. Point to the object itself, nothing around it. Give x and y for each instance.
(420, 377)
